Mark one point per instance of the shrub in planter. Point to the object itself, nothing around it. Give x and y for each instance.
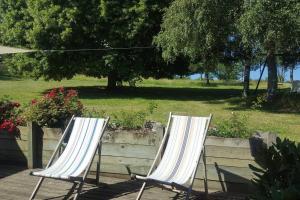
(54, 108)
(234, 127)
(9, 116)
(133, 119)
(130, 120)
(126, 119)
(279, 178)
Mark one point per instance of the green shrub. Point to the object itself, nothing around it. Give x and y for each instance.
(133, 119)
(279, 178)
(124, 119)
(282, 101)
(152, 107)
(234, 127)
(130, 120)
(260, 101)
(54, 108)
(94, 113)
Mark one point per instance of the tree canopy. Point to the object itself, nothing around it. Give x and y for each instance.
(105, 24)
(197, 29)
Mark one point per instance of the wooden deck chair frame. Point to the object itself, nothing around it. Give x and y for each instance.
(79, 181)
(159, 154)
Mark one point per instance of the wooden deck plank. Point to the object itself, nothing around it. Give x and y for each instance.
(17, 184)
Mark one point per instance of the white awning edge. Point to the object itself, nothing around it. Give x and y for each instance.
(11, 50)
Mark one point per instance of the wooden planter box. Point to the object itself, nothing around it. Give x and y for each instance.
(125, 152)
(122, 150)
(13, 149)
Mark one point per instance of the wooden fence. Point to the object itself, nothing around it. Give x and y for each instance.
(125, 152)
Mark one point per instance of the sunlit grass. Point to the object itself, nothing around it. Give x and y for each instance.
(179, 96)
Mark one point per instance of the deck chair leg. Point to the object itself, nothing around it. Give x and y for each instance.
(78, 190)
(141, 191)
(205, 173)
(37, 187)
(188, 193)
(98, 164)
(69, 194)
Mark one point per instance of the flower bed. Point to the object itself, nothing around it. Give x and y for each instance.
(54, 108)
(9, 116)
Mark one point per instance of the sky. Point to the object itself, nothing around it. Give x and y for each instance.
(255, 74)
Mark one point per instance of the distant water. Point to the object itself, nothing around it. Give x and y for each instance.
(255, 75)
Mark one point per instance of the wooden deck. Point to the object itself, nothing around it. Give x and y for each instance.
(17, 184)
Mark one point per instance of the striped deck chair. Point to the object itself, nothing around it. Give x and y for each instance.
(178, 165)
(77, 157)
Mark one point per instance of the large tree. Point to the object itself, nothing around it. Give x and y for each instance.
(133, 24)
(274, 27)
(76, 24)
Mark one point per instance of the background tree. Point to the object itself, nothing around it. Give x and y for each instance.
(272, 26)
(289, 60)
(197, 30)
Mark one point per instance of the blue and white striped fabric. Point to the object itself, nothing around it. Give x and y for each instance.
(80, 149)
(184, 147)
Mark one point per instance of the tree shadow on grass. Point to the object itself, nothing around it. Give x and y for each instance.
(158, 93)
(208, 95)
(9, 78)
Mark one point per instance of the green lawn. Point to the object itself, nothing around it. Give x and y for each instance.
(179, 96)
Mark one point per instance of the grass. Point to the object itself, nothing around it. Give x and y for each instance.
(181, 96)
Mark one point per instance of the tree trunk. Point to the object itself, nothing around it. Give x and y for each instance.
(246, 80)
(272, 75)
(207, 78)
(283, 74)
(292, 75)
(112, 80)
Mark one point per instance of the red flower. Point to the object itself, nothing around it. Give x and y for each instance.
(8, 125)
(72, 93)
(61, 90)
(15, 104)
(52, 94)
(33, 101)
(8, 116)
